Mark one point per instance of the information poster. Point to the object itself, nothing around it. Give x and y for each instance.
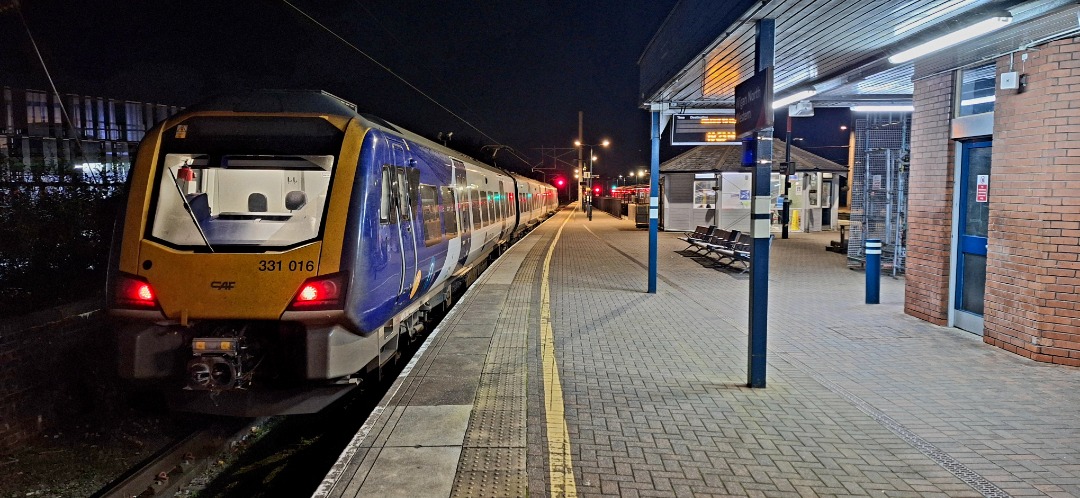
(704, 195)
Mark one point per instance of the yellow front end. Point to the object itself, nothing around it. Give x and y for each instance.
(201, 286)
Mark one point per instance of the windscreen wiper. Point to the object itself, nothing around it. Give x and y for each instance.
(191, 212)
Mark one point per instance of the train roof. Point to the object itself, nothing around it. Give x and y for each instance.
(321, 102)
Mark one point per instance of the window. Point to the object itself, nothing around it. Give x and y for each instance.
(485, 206)
(449, 212)
(387, 205)
(429, 209)
(474, 197)
(704, 195)
(259, 202)
(976, 90)
(404, 200)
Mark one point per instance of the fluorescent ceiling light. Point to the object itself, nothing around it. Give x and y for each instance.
(882, 108)
(793, 98)
(959, 36)
(979, 100)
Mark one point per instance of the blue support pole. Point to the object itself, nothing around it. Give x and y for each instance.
(873, 271)
(761, 218)
(760, 230)
(654, 200)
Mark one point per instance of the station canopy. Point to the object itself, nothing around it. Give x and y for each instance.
(704, 158)
(838, 50)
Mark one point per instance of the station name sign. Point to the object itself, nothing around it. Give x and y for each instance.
(753, 103)
(703, 129)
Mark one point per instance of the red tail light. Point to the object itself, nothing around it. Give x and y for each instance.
(320, 293)
(134, 292)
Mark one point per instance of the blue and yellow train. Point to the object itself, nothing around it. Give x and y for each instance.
(277, 245)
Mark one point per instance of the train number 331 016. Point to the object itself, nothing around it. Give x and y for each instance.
(278, 265)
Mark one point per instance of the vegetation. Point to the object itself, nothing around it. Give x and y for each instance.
(55, 229)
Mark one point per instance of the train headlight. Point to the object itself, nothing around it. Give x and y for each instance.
(134, 292)
(320, 293)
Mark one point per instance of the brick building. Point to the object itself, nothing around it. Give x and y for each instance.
(1022, 151)
(990, 229)
(34, 129)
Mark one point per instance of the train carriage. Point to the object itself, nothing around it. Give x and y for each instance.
(277, 244)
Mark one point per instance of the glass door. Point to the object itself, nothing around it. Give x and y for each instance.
(972, 224)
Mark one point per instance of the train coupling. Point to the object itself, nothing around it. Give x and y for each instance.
(215, 364)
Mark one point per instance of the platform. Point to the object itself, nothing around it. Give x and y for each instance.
(558, 375)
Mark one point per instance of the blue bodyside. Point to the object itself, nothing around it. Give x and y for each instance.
(376, 293)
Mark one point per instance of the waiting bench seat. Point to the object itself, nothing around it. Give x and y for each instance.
(697, 237)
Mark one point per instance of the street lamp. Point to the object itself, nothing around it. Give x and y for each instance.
(591, 174)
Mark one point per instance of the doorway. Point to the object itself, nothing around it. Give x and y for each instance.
(972, 222)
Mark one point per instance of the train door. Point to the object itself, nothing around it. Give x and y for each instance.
(406, 182)
(460, 184)
(500, 206)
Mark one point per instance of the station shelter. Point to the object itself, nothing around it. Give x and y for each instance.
(708, 186)
(981, 101)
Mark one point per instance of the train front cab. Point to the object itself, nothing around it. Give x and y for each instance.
(230, 254)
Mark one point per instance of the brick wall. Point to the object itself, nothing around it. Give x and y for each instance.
(930, 201)
(1033, 270)
(53, 364)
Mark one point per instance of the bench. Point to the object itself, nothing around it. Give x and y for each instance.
(696, 238)
(731, 252)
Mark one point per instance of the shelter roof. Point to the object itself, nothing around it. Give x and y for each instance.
(839, 49)
(728, 158)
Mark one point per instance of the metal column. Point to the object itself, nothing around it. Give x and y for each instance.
(760, 227)
(654, 200)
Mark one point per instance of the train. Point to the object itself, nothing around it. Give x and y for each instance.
(277, 246)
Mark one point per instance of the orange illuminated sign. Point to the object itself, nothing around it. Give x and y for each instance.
(703, 130)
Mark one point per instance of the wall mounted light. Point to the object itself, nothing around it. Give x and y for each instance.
(950, 39)
(882, 108)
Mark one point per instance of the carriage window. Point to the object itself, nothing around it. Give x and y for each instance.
(449, 213)
(387, 206)
(474, 197)
(484, 207)
(404, 200)
(429, 209)
(491, 207)
(462, 198)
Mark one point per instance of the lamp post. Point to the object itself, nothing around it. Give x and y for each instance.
(590, 174)
(577, 178)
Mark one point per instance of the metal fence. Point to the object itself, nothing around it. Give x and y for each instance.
(879, 188)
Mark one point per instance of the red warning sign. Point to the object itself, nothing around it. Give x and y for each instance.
(982, 188)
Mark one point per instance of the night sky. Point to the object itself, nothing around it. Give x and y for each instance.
(517, 70)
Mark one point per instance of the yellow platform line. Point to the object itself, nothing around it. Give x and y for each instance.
(561, 468)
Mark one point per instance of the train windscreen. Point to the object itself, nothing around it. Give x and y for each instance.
(240, 201)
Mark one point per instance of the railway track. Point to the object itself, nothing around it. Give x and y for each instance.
(174, 466)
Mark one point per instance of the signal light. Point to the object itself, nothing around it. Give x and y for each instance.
(134, 292)
(320, 293)
(596, 189)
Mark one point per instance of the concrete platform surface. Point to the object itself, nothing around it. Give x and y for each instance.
(558, 375)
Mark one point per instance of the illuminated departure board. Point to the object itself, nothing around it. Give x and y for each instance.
(709, 129)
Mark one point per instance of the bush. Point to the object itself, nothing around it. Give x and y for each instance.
(55, 230)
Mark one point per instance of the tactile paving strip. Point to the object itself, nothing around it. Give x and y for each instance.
(495, 386)
(493, 459)
(490, 483)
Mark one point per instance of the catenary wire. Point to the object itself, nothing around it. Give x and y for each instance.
(400, 78)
